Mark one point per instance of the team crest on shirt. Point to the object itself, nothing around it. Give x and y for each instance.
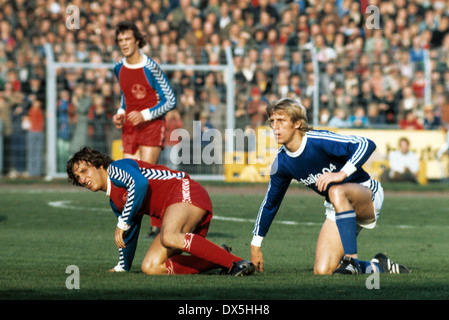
(138, 91)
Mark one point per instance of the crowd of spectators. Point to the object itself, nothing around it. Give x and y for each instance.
(372, 64)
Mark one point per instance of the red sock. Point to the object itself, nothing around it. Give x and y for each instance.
(202, 248)
(182, 264)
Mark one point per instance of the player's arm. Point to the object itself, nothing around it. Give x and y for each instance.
(360, 149)
(356, 149)
(276, 190)
(119, 233)
(167, 98)
(125, 173)
(119, 117)
(126, 242)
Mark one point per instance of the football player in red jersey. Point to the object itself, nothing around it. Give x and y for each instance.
(146, 97)
(181, 204)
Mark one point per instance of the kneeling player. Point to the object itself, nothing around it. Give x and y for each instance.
(331, 165)
(181, 204)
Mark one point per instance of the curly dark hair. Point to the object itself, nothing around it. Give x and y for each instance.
(90, 156)
(126, 25)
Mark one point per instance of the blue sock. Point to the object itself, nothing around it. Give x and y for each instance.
(347, 228)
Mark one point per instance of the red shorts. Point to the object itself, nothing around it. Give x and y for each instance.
(190, 191)
(149, 134)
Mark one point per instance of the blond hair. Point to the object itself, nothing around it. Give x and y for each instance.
(292, 108)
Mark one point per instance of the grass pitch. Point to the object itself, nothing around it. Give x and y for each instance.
(46, 228)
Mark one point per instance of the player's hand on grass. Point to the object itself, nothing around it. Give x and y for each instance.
(119, 234)
(257, 258)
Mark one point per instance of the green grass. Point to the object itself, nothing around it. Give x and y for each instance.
(40, 240)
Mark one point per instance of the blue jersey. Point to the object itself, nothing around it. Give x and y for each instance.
(320, 152)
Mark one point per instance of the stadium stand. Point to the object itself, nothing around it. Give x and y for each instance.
(380, 70)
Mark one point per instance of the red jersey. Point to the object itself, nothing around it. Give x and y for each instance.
(144, 88)
(136, 187)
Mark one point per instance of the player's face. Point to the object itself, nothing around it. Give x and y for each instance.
(88, 176)
(285, 131)
(127, 43)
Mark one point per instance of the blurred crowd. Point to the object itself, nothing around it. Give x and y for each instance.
(375, 66)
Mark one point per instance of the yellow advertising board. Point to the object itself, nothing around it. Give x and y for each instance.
(425, 143)
(254, 166)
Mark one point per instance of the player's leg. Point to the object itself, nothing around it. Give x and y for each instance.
(150, 139)
(352, 203)
(143, 142)
(134, 156)
(169, 242)
(353, 196)
(180, 222)
(160, 260)
(329, 252)
(149, 154)
(155, 259)
(129, 142)
(338, 237)
(329, 249)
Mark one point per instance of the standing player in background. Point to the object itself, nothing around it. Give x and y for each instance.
(181, 204)
(146, 97)
(331, 165)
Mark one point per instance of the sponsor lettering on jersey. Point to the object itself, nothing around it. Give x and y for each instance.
(312, 178)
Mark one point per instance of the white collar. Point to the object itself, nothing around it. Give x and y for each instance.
(298, 152)
(108, 190)
(137, 65)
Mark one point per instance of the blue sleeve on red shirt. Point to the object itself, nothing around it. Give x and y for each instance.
(125, 173)
(158, 80)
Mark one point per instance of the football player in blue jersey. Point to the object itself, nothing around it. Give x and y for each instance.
(331, 165)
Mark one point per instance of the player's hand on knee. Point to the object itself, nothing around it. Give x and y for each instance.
(325, 179)
(119, 234)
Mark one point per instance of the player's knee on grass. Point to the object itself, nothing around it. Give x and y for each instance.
(324, 266)
(322, 270)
